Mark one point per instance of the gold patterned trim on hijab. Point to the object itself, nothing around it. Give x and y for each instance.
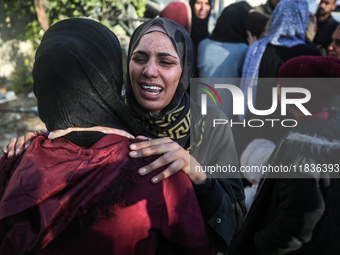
(178, 131)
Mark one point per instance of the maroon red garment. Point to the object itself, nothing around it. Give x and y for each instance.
(56, 181)
(180, 12)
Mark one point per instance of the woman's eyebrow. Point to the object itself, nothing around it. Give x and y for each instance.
(165, 54)
(160, 54)
(140, 52)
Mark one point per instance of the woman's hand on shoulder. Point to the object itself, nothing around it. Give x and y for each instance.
(172, 154)
(18, 145)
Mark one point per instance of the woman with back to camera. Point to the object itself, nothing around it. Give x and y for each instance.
(222, 54)
(286, 40)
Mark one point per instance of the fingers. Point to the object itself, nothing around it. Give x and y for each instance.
(43, 132)
(151, 145)
(18, 145)
(5, 149)
(170, 170)
(172, 155)
(156, 149)
(11, 147)
(29, 138)
(176, 160)
(143, 137)
(163, 175)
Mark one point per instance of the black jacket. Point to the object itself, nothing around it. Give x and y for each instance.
(323, 36)
(298, 215)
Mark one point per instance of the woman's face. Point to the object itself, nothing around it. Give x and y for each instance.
(202, 8)
(155, 71)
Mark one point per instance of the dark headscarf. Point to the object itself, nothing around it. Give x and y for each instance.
(178, 110)
(257, 23)
(199, 27)
(78, 77)
(231, 26)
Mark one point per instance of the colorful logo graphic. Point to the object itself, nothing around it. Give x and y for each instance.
(209, 93)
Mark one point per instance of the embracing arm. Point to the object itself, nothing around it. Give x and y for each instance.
(173, 155)
(18, 145)
(223, 206)
(221, 195)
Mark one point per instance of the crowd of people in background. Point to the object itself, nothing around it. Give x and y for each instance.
(118, 174)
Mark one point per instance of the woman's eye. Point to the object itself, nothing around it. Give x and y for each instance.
(139, 60)
(337, 42)
(168, 63)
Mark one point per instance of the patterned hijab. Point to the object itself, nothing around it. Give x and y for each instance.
(288, 28)
(174, 120)
(78, 77)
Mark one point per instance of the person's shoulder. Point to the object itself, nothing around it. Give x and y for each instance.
(310, 49)
(316, 134)
(298, 50)
(333, 21)
(204, 42)
(236, 47)
(264, 9)
(215, 113)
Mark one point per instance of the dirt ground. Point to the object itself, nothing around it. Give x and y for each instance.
(18, 117)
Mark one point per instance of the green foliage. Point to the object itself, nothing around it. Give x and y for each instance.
(105, 11)
(22, 80)
(140, 7)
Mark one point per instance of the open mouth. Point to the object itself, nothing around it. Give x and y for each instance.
(152, 90)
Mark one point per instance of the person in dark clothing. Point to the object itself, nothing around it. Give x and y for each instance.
(200, 10)
(256, 24)
(267, 8)
(222, 54)
(334, 47)
(286, 40)
(326, 24)
(298, 213)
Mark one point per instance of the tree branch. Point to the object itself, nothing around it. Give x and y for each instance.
(41, 13)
